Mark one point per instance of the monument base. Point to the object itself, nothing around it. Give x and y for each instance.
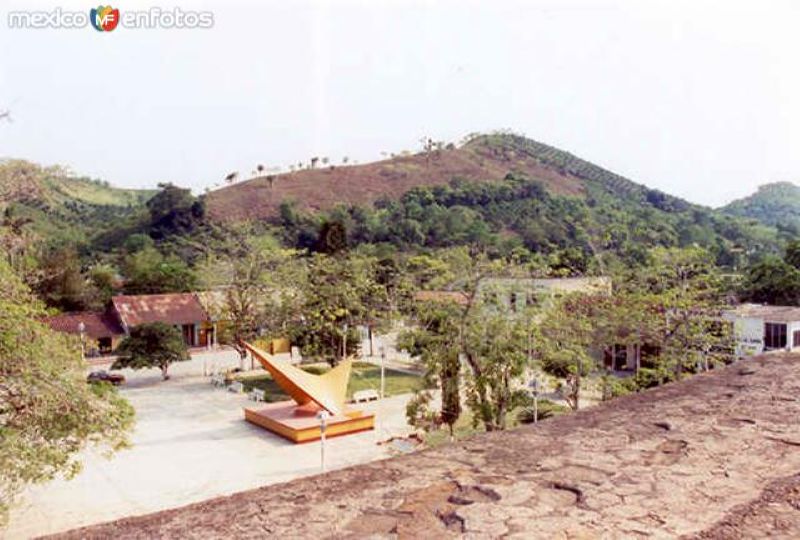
(291, 422)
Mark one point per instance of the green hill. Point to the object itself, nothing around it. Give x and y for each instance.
(60, 206)
(773, 204)
(518, 193)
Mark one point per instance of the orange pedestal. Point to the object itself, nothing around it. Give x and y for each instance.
(299, 425)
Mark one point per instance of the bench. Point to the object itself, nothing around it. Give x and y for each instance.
(256, 394)
(365, 395)
(236, 388)
(218, 380)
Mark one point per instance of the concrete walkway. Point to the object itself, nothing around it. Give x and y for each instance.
(190, 443)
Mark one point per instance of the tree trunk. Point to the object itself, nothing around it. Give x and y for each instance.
(371, 341)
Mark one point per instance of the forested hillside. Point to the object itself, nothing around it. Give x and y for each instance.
(775, 204)
(60, 206)
(502, 195)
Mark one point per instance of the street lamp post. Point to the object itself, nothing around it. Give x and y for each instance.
(82, 332)
(383, 371)
(323, 420)
(534, 386)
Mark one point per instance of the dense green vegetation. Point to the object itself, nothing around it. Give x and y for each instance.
(517, 216)
(774, 280)
(77, 241)
(776, 204)
(152, 345)
(47, 411)
(479, 354)
(61, 207)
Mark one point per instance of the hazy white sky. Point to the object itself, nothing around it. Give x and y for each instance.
(700, 99)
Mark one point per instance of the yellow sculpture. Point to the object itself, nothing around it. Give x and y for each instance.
(329, 390)
(311, 393)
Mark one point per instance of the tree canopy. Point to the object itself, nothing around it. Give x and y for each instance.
(48, 412)
(152, 345)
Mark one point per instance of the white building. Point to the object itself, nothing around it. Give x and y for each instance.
(760, 328)
(515, 294)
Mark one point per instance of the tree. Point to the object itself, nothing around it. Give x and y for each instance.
(152, 345)
(437, 342)
(147, 271)
(493, 343)
(564, 348)
(332, 237)
(495, 351)
(48, 412)
(689, 296)
(62, 285)
(772, 281)
(259, 283)
(341, 293)
(170, 198)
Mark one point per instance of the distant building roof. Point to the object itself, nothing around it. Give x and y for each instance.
(97, 324)
(457, 297)
(600, 284)
(175, 308)
(765, 312)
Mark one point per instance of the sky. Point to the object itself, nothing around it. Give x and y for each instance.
(697, 98)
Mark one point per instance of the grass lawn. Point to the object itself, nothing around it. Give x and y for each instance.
(364, 376)
(463, 427)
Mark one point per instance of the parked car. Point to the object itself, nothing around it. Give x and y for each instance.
(114, 378)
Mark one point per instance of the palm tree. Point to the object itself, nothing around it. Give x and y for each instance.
(260, 169)
(231, 177)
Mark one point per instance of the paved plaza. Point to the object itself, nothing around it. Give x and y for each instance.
(190, 443)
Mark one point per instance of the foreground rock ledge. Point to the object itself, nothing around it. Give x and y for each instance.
(716, 456)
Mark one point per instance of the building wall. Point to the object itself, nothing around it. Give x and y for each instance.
(749, 334)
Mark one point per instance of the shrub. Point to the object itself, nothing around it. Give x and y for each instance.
(546, 409)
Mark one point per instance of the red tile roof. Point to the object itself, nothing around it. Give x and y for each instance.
(98, 324)
(459, 298)
(176, 308)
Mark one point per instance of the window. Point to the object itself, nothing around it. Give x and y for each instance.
(774, 336)
(104, 344)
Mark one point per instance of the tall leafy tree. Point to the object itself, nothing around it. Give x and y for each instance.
(437, 342)
(261, 286)
(47, 411)
(565, 345)
(341, 293)
(496, 352)
(152, 345)
(773, 281)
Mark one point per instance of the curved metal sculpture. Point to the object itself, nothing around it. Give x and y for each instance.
(327, 391)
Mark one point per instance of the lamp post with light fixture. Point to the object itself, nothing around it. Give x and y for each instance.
(323, 421)
(534, 386)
